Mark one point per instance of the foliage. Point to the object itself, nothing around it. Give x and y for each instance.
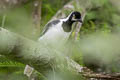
(104, 17)
(101, 18)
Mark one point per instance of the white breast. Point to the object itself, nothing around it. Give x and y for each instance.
(55, 34)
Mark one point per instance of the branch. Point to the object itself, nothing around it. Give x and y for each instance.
(37, 16)
(24, 50)
(78, 26)
(40, 57)
(102, 76)
(35, 54)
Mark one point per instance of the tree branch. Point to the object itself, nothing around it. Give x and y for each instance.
(40, 57)
(102, 76)
(37, 55)
(37, 16)
(24, 50)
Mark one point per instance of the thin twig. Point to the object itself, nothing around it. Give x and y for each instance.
(3, 20)
(101, 76)
(78, 26)
(37, 16)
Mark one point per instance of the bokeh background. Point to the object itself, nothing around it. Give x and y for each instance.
(98, 46)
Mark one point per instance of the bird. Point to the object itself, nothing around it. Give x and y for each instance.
(58, 31)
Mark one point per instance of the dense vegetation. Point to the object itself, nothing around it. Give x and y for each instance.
(98, 38)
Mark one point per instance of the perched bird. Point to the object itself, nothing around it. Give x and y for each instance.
(60, 30)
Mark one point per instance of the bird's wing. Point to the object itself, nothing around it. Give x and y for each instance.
(49, 25)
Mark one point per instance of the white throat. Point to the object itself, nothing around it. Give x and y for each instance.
(55, 34)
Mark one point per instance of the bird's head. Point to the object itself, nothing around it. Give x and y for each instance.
(73, 17)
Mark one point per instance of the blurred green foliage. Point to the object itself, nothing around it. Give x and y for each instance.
(19, 20)
(104, 17)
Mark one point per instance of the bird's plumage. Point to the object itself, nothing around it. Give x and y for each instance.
(54, 33)
(49, 25)
(60, 30)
